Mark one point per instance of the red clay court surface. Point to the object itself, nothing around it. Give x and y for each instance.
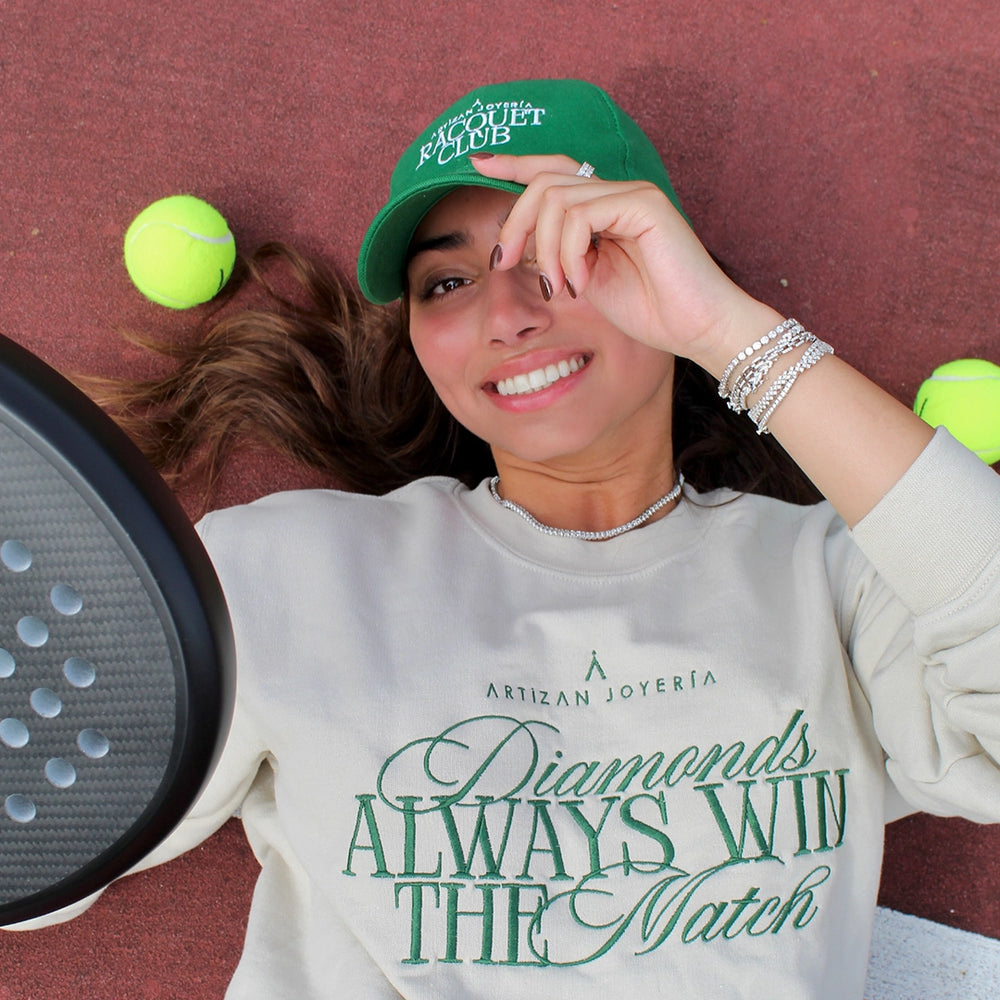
(843, 162)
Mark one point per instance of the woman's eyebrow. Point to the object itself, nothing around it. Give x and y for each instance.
(446, 241)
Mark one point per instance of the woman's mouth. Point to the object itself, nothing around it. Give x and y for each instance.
(541, 378)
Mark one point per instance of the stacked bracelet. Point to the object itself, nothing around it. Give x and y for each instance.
(768, 403)
(753, 375)
(738, 388)
(781, 328)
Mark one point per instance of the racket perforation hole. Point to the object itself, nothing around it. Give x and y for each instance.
(15, 555)
(60, 773)
(46, 703)
(79, 672)
(93, 743)
(32, 631)
(20, 808)
(14, 733)
(65, 599)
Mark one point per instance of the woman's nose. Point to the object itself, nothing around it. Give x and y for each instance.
(515, 308)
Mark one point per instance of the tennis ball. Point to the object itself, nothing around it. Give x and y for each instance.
(964, 396)
(179, 251)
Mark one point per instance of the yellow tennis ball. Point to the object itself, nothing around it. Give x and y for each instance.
(179, 251)
(964, 396)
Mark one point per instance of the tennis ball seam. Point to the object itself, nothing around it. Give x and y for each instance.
(964, 378)
(215, 240)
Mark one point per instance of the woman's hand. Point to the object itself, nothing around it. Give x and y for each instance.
(649, 275)
(627, 249)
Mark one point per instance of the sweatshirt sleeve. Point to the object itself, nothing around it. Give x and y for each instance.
(218, 801)
(924, 635)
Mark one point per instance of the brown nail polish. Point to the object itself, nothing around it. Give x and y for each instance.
(546, 287)
(480, 156)
(570, 288)
(496, 256)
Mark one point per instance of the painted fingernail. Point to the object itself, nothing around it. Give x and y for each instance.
(546, 287)
(480, 156)
(570, 288)
(495, 257)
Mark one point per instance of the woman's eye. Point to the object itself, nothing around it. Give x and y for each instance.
(442, 287)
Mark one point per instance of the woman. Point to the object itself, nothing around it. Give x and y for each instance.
(582, 725)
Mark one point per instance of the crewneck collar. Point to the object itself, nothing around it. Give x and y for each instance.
(635, 551)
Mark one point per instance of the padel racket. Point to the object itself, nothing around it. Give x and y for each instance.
(116, 662)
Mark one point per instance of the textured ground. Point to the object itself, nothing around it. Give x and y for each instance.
(842, 159)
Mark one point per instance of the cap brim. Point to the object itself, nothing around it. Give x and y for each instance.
(383, 252)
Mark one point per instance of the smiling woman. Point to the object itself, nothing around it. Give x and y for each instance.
(475, 328)
(578, 700)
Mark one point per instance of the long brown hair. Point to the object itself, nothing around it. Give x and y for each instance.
(324, 377)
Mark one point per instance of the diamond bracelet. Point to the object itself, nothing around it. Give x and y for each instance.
(753, 375)
(784, 327)
(764, 408)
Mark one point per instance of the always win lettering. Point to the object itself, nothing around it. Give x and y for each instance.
(501, 850)
(480, 126)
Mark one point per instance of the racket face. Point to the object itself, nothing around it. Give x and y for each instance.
(115, 652)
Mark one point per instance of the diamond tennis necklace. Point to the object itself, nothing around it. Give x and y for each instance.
(588, 536)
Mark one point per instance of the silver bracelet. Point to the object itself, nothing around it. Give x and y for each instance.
(776, 386)
(764, 408)
(753, 375)
(778, 389)
(781, 328)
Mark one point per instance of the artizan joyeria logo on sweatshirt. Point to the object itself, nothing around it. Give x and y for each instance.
(481, 126)
(599, 689)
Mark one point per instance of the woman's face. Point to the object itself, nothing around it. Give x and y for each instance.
(541, 381)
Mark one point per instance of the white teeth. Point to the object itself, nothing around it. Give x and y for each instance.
(540, 378)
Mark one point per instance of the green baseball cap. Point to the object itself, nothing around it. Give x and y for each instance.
(571, 117)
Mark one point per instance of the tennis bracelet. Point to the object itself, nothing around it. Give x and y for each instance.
(737, 385)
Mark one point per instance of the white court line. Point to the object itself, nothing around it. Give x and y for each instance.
(916, 959)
